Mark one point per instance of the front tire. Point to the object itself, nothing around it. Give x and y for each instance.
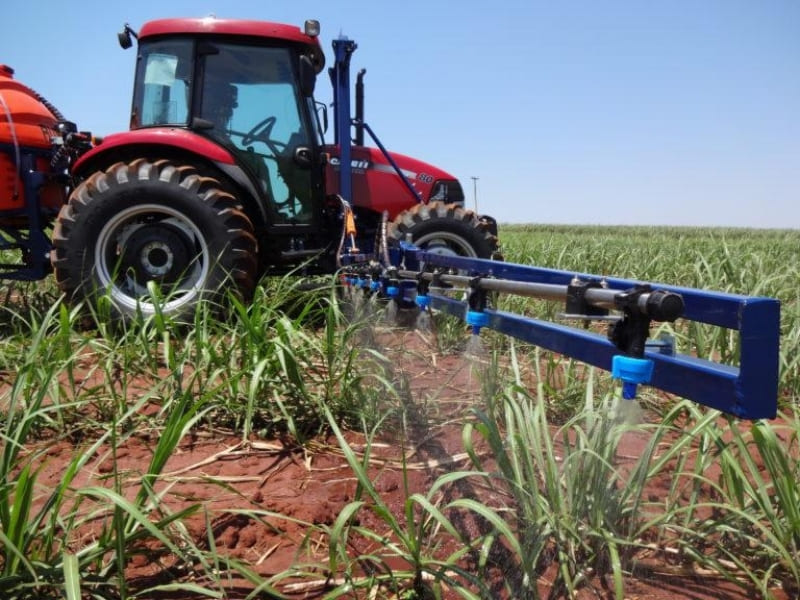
(445, 229)
(143, 224)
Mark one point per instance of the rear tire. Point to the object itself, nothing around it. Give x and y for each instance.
(143, 223)
(445, 229)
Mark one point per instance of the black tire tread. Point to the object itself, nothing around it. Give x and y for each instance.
(409, 220)
(241, 238)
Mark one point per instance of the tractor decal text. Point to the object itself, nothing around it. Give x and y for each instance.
(358, 166)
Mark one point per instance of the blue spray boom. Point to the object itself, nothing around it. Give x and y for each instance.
(748, 391)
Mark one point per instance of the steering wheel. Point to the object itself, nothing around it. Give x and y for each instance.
(261, 132)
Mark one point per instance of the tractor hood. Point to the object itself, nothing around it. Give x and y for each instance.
(378, 187)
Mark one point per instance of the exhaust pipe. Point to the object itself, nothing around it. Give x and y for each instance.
(359, 139)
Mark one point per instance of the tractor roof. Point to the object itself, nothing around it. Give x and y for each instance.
(236, 27)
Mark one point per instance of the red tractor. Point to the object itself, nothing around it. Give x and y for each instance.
(224, 176)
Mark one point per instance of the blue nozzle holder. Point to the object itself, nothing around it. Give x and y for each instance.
(632, 372)
(423, 301)
(374, 286)
(477, 319)
(393, 291)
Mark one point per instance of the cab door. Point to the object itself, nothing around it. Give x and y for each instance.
(264, 118)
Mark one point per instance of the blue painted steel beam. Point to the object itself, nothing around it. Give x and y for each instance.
(343, 49)
(392, 162)
(749, 390)
(705, 382)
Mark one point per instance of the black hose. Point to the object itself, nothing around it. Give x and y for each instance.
(56, 113)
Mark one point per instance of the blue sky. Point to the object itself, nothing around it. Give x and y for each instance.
(654, 113)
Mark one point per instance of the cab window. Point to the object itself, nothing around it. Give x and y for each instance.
(250, 96)
(162, 92)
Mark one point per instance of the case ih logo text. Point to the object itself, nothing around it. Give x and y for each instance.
(355, 164)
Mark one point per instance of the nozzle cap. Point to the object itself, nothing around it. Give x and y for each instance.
(477, 318)
(423, 301)
(632, 371)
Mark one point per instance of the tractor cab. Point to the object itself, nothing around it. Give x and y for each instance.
(250, 94)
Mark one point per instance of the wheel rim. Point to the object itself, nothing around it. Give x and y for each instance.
(446, 244)
(150, 242)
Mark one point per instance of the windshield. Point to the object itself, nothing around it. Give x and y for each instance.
(244, 86)
(250, 96)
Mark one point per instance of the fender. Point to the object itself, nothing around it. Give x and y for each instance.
(115, 147)
(181, 139)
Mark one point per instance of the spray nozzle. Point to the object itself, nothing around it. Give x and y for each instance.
(477, 320)
(632, 371)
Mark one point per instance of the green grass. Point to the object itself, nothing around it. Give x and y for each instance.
(285, 368)
(261, 372)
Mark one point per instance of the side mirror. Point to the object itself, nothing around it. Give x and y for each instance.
(124, 37)
(308, 76)
(125, 41)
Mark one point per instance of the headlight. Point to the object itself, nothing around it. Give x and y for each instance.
(311, 28)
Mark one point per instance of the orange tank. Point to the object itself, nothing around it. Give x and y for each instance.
(27, 127)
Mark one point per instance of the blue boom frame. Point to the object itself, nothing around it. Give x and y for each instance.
(748, 391)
